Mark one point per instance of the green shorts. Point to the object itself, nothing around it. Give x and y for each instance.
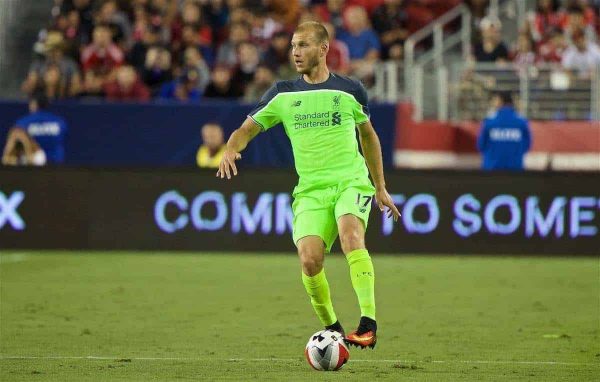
(316, 211)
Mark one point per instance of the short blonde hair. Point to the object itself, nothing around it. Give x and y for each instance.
(318, 30)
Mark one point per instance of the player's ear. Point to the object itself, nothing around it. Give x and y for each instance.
(324, 49)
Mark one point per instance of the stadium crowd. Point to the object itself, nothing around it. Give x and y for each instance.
(134, 50)
(555, 33)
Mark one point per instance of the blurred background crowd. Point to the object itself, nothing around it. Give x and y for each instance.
(135, 50)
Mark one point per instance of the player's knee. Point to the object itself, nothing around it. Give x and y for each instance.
(351, 240)
(312, 262)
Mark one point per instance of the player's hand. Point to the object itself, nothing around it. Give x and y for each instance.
(383, 198)
(227, 165)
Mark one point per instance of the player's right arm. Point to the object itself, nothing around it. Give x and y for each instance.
(237, 142)
(262, 118)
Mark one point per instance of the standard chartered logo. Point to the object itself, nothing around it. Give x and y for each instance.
(336, 119)
(316, 119)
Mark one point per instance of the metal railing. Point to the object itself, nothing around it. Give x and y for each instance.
(542, 92)
(441, 43)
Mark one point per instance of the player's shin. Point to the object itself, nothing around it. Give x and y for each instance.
(363, 280)
(317, 288)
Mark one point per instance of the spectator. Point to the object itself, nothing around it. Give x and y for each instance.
(217, 13)
(582, 56)
(137, 55)
(47, 129)
(55, 72)
(278, 51)
(338, 56)
(193, 60)
(362, 42)
(491, 48)
(285, 12)
(478, 13)
(524, 55)
(288, 72)
(227, 51)
(546, 18)
(184, 89)
(126, 86)
(109, 14)
(240, 15)
(220, 85)
(191, 15)
(190, 38)
(53, 84)
(263, 28)
(390, 21)
(332, 12)
(75, 36)
(22, 150)
(248, 58)
(99, 59)
(553, 49)
(212, 148)
(263, 80)
(84, 10)
(157, 68)
(504, 138)
(575, 19)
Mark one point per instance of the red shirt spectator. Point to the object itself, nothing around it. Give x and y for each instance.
(552, 50)
(523, 56)
(332, 12)
(545, 18)
(126, 86)
(191, 14)
(338, 57)
(102, 55)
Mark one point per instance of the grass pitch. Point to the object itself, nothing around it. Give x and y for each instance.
(73, 316)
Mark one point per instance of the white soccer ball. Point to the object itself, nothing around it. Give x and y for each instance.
(326, 351)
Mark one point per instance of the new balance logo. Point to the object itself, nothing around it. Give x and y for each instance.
(8, 210)
(296, 103)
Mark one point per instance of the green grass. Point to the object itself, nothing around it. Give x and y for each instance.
(440, 318)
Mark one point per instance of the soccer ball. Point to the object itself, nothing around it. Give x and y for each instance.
(326, 350)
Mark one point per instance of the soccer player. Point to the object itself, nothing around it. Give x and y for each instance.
(320, 112)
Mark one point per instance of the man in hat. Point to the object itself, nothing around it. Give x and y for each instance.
(52, 57)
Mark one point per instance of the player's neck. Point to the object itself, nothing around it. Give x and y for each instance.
(317, 75)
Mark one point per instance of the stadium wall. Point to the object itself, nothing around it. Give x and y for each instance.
(186, 209)
(556, 145)
(168, 134)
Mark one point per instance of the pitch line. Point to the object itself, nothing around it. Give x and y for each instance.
(127, 359)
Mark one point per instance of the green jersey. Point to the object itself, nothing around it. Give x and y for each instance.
(320, 121)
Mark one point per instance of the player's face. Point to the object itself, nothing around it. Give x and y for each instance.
(306, 51)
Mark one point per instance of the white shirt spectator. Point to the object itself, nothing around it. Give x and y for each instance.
(582, 61)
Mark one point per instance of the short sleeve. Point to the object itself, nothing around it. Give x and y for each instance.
(63, 126)
(22, 122)
(374, 41)
(361, 112)
(266, 113)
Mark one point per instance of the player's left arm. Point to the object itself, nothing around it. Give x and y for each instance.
(371, 148)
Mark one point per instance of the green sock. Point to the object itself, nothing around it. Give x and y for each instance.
(363, 280)
(317, 288)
